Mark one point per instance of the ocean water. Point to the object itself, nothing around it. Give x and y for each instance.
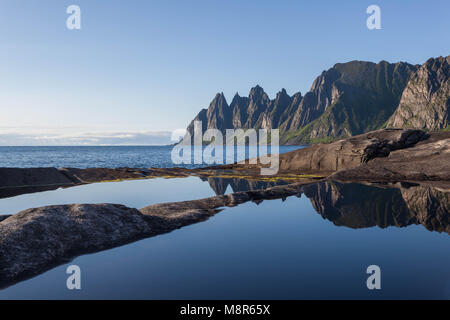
(302, 248)
(96, 156)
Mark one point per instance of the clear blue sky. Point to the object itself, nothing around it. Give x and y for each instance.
(152, 65)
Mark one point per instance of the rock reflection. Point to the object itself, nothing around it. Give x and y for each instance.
(356, 205)
(361, 206)
(220, 185)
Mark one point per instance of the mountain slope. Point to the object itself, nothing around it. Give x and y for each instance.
(425, 102)
(351, 98)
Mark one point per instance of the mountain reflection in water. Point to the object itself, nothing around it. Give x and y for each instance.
(220, 185)
(357, 205)
(353, 205)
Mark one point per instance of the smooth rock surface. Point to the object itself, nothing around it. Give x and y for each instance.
(35, 239)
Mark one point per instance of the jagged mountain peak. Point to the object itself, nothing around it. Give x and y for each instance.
(257, 92)
(282, 94)
(219, 97)
(219, 101)
(347, 99)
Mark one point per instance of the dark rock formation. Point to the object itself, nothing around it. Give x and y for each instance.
(425, 102)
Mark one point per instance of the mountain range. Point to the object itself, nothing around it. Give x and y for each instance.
(348, 99)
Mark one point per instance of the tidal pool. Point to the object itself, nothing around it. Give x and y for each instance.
(318, 245)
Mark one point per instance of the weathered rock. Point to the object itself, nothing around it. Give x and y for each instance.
(34, 239)
(429, 160)
(349, 153)
(425, 102)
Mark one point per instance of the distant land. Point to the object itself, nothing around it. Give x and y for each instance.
(348, 99)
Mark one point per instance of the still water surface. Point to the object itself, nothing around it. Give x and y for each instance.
(274, 250)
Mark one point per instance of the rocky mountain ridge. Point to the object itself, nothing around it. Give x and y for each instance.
(348, 99)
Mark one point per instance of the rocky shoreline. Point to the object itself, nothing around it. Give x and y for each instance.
(415, 164)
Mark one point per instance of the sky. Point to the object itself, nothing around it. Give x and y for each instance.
(137, 70)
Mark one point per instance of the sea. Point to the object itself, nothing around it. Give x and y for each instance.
(103, 156)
